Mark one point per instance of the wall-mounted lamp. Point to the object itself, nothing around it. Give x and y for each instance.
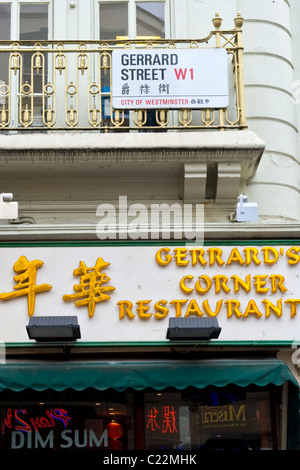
(59, 328)
(193, 328)
(8, 209)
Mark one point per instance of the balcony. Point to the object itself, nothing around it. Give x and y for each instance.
(58, 124)
(68, 85)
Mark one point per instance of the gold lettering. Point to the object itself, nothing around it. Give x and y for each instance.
(239, 282)
(208, 307)
(270, 306)
(293, 303)
(143, 307)
(125, 309)
(215, 256)
(267, 250)
(251, 255)
(208, 310)
(235, 416)
(235, 257)
(277, 282)
(220, 282)
(197, 255)
(180, 255)
(167, 258)
(252, 309)
(233, 308)
(161, 310)
(224, 414)
(193, 308)
(291, 253)
(260, 281)
(269, 254)
(205, 418)
(208, 282)
(183, 287)
(204, 283)
(178, 304)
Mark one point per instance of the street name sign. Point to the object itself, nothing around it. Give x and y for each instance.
(169, 78)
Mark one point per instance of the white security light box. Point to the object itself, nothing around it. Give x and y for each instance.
(246, 211)
(169, 78)
(8, 209)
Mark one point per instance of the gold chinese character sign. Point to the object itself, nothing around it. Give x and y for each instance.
(90, 289)
(26, 282)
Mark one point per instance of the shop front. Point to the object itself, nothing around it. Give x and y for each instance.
(229, 416)
(121, 384)
(233, 418)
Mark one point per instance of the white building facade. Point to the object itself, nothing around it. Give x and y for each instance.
(127, 190)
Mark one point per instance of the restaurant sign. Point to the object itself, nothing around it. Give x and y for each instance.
(128, 293)
(172, 78)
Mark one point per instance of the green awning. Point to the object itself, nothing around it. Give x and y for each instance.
(139, 375)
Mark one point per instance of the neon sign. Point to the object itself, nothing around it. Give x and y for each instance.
(32, 431)
(19, 419)
(164, 421)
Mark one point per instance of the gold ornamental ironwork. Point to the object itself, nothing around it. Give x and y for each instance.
(68, 85)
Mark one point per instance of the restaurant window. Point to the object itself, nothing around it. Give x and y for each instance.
(227, 419)
(231, 418)
(67, 421)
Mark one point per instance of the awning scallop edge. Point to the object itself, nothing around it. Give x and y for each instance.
(138, 375)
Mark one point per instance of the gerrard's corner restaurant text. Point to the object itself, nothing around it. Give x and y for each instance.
(69, 397)
(134, 290)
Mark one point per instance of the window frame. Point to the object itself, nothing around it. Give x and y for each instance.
(131, 16)
(15, 16)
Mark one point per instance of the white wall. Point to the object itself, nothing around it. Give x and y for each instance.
(271, 64)
(271, 112)
(271, 38)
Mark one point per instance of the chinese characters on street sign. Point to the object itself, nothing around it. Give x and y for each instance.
(183, 78)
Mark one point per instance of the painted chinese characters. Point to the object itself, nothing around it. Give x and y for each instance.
(90, 289)
(26, 282)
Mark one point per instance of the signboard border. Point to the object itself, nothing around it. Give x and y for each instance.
(118, 345)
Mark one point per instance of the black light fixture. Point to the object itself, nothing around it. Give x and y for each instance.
(193, 328)
(58, 328)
